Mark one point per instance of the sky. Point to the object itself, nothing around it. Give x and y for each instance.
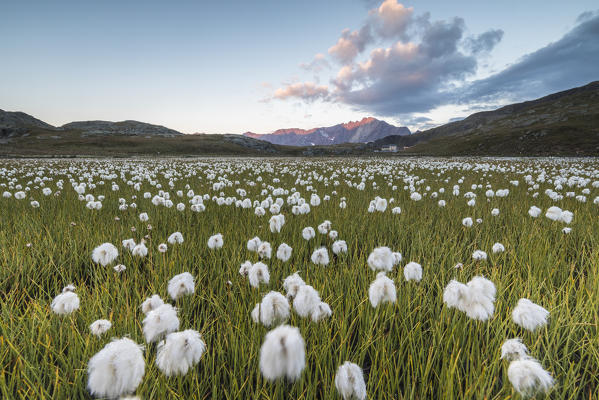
(234, 66)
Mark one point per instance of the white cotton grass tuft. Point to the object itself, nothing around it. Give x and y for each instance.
(325, 227)
(175, 238)
(479, 255)
(349, 381)
(181, 285)
(257, 274)
(253, 244)
(283, 354)
(320, 256)
(305, 300)
(381, 258)
(129, 244)
(151, 303)
(467, 222)
(528, 377)
(215, 241)
(476, 298)
(513, 349)
(105, 254)
(159, 322)
(557, 214)
(498, 248)
(116, 370)
(529, 315)
(179, 352)
(264, 250)
(321, 311)
(413, 271)
(273, 309)
(140, 250)
(66, 302)
(245, 267)
(292, 283)
(119, 268)
(382, 290)
(276, 223)
(308, 233)
(284, 252)
(339, 247)
(100, 326)
(162, 248)
(534, 211)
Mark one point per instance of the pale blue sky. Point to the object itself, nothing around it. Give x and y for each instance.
(214, 66)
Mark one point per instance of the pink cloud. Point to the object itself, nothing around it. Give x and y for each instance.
(307, 91)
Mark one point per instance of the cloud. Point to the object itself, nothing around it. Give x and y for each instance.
(391, 19)
(571, 61)
(408, 76)
(306, 91)
(485, 42)
(318, 64)
(415, 65)
(350, 44)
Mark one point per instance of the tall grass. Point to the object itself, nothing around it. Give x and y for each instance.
(414, 349)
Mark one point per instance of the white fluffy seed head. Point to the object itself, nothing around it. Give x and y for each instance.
(382, 290)
(151, 303)
(258, 274)
(292, 283)
(244, 269)
(498, 248)
(412, 271)
(284, 252)
(116, 370)
(339, 247)
(305, 300)
(99, 327)
(65, 303)
(528, 377)
(179, 352)
(215, 241)
(104, 254)
(159, 322)
(349, 381)
(321, 311)
(381, 258)
(476, 298)
(513, 349)
(273, 309)
(181, 285)
(320, 256)
(282, 354)
(529, 315)
(253, 244)
(264, 250)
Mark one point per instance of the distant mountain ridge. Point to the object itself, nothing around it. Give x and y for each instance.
(560, 124)
(366, 130)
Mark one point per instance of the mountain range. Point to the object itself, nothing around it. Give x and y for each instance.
(367, 130)
(563, 123)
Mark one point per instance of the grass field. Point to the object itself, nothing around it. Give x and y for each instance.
(415, 348)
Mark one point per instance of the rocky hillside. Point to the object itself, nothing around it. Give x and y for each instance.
(127, 128)
(366, 130)
(561, 123)
(18, 123)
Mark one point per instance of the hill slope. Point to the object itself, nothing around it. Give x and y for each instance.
(563, 123)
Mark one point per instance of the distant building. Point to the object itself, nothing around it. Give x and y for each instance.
(390, 148)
